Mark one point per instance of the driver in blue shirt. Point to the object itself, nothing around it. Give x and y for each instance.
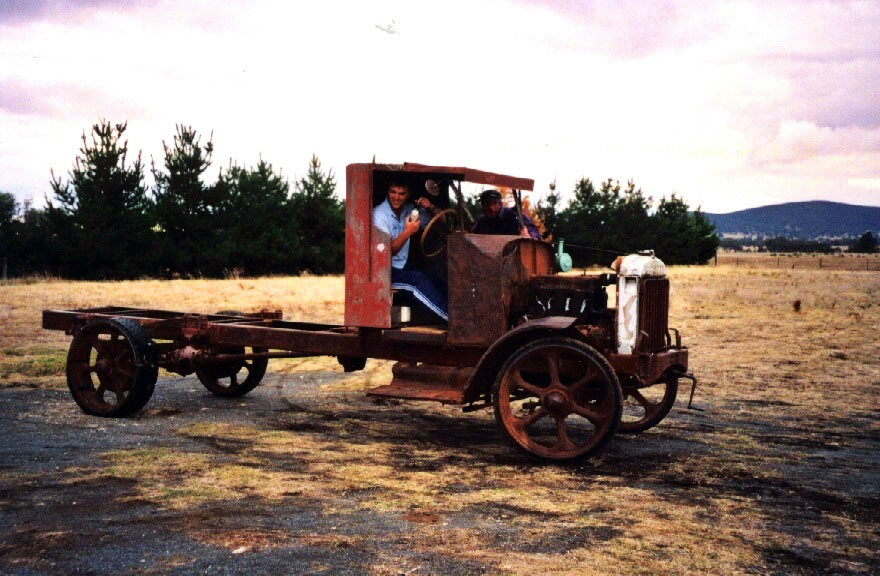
(399, 218)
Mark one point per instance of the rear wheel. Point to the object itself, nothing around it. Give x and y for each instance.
(111, 367)
(557, 398)
(234, 377)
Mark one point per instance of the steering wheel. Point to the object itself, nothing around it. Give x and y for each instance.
(433, 227)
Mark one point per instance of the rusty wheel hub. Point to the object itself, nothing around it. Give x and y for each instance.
(103, 367)
(557, 403)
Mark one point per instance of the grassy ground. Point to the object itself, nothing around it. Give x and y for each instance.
(800, 261)
(779, 474)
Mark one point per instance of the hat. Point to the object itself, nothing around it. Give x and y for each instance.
(489, 196)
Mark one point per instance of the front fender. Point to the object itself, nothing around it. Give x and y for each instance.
(483, 376)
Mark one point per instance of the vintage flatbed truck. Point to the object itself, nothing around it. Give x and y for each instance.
(561, 368)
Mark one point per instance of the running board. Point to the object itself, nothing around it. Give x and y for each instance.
(413, 381)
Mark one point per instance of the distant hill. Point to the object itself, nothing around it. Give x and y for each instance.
(803, 220)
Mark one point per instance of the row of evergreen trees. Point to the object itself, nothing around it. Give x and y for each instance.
(104, 222)
(611, 220)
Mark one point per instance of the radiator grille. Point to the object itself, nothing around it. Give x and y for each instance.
(654, 314)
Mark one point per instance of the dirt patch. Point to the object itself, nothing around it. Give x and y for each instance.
(422, 517)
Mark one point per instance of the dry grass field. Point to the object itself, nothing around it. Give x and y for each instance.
(851, 262)
(780, 474)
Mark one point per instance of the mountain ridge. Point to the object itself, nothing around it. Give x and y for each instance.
(809, 220)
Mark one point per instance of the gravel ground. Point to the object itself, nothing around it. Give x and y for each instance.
(51, 523)
(57, 517)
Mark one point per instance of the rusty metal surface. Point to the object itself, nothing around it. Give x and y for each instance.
(423, 335)
(471, 175)
(535, 256)
(416, 381)
(367, 255)
(477, 299)
(162, 324)
(488, 284)
(104, 384)
(319, 342)
(492, 358)
(650, 367)
(300, 338)
(654, 314)
(583, 297)
(111, 367)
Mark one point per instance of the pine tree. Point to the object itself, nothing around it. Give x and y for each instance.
(100, 217)
(185, 207)
(256, 221)
(320, 221)
(8, 211)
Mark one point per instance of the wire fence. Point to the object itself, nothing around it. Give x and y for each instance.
(851, 262)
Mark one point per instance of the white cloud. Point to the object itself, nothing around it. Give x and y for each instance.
(870, 183)
(801, 141)
(728, 104)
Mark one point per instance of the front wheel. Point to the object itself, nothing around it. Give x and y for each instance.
(558, 398)
(645, 407)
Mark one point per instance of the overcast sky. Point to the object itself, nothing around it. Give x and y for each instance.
(730, 104)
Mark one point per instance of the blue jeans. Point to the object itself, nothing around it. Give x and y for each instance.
(423, 288)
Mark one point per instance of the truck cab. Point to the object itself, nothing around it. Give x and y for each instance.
(485, 277)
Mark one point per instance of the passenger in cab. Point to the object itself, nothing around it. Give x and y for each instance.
(398, 217)
(498, 219)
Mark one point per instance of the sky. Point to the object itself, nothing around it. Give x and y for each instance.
(729, 105)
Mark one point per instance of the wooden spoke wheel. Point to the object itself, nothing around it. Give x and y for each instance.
(644, 407)
(234, 377)
(433, 241)
(557, 398)
(111, 367)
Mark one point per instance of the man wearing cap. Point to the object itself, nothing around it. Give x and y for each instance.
(498, 219)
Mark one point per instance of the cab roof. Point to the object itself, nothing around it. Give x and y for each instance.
(457, 173)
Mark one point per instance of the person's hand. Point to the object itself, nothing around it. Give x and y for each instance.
(412, 226)
(423, 202)
(524, 233)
